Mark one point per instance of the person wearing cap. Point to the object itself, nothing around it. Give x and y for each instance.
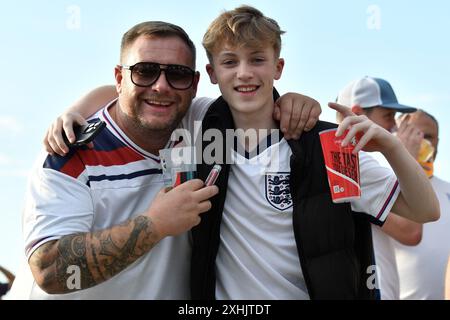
(375, 98)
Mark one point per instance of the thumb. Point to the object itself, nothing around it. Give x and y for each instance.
(345, 111)
(164, 190)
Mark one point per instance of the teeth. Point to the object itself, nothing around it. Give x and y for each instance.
(159, 103)
(246, 89)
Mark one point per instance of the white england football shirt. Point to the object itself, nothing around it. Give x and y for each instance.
(91, 190)
(257, 257)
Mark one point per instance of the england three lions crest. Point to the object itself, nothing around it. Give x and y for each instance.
(277, 190)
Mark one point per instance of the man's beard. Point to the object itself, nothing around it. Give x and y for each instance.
(140, 124)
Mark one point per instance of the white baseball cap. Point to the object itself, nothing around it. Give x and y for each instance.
(371, 92)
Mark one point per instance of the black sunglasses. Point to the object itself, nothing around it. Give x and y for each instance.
(144, 74)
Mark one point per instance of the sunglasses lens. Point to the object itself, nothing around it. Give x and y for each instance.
(179, 77)
(144, 74)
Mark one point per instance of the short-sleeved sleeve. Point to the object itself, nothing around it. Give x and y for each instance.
(56, 204)
(379, 189)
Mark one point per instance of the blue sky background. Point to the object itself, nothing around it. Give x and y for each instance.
(54, 51)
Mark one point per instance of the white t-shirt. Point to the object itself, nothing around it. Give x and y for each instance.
(422, 267)
(387, 273)
(90, 190)
(383, 244)
(257, 257)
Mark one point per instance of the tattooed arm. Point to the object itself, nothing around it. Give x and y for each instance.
(102, 254)
(99, 255)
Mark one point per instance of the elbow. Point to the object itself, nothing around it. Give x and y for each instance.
(46, 281)
(435, 214)
(436, 209)
(414, 237)
(42, 264)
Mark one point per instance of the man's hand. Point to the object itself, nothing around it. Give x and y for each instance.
(296, 113)
(178, 210)
(410, 136)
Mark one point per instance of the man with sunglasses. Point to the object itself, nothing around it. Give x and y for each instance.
(100, 219)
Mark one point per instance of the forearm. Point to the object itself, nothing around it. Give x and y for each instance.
(93, 101)
(403, 230)
(97, 256)
(416, 190)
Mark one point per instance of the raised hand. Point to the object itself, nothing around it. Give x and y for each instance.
(372, 136)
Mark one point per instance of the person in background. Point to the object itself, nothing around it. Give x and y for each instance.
(251, 247)
(375, 98)
(422, 268)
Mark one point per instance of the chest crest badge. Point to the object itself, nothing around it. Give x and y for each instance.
(277, 190)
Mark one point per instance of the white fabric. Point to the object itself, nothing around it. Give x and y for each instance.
(387, 273)
(60, 204)
(422, 267)
(257, 257)
(383, 244)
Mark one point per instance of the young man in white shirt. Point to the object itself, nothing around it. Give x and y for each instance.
(247, 241)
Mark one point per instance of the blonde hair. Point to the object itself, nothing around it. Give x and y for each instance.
(243, 26)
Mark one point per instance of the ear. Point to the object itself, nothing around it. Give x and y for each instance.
(279, 68)
(195, 83)
(119, 77)
(211, 73)
(356, 109)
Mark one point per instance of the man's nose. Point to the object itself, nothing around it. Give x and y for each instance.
(161, 83)
(394, 127)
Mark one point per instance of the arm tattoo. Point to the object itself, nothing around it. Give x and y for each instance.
(99, 255)
(72, 251)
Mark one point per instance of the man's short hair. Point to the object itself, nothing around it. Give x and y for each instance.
(243, 26)
(431, 117)
(156, 29)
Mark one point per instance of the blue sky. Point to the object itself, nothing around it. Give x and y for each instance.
(55, 51)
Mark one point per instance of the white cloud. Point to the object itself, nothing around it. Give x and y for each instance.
(10, 125)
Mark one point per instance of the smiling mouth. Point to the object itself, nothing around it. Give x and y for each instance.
(246, 89)
(158, 103)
